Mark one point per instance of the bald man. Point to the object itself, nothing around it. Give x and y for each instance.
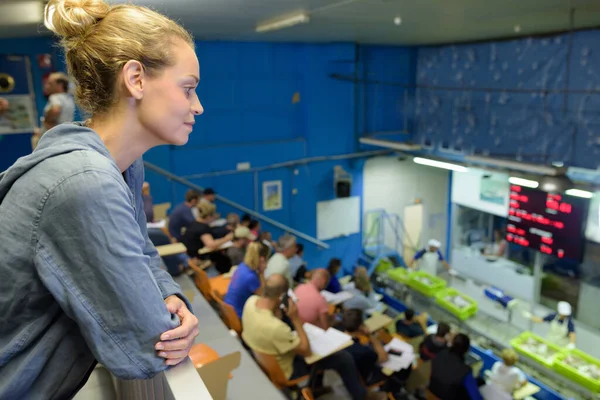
(60, 107)
(265, 332)
(312, 306)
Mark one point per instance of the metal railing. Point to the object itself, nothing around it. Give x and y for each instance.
(240, 207)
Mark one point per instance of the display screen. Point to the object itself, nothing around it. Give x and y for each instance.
(550, 223)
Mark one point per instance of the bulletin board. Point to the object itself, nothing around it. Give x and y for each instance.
(337, 218)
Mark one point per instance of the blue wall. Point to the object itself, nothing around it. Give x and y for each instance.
(504, 122)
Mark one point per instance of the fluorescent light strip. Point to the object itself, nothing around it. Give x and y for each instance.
(580, 193)
(523, 182)
(282, 23)
(440, 164)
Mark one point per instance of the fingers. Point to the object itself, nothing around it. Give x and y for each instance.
(173, 355)
(175, 361)
(173, 345)
(174, 304)
(189, 326)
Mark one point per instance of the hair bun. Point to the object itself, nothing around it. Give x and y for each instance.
(72, 18)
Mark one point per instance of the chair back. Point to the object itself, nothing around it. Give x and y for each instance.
(160, 211)
(202, 282)
(271, 368)
(228, 315)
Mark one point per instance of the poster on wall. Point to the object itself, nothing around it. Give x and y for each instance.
(493, 189)
(481, 190)
(19, 116)
(272, 196)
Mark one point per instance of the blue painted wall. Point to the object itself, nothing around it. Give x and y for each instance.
(502, 121)
(15, 146)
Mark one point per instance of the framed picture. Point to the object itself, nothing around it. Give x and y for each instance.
(16, 114)
(272, 196)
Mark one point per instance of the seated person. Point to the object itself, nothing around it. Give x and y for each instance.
(451, 377)
(241, 239)
(246, 219)
(279, 262)
(265, 332)
(182, 216)
(505, 375)
(174, 264)
(248, 277)
(199, 235)
(412, 326)
(435, 344)
(312, 306)
(255, 227)
(233, 221)
(267, 240)
(335, 264)
(298, 265)
(362, 292)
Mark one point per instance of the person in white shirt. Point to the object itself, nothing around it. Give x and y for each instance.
(60, 107)
(279, 263)
(500, 246)
(505, 375)
(429, 259)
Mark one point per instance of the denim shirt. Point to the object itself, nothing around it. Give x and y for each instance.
(80, 280)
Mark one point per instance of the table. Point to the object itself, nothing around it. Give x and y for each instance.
(313, 358)
(171, 249)
(377, 322)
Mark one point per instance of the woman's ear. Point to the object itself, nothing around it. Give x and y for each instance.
(134, 76)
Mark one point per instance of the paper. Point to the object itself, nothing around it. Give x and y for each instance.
(325, 342)
(399, 346)
(157, 225)
(398, 363)
(337, 298)
(224, 246)
(218, 222)
(292, 295)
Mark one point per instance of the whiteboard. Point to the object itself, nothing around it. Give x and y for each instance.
(339, 217)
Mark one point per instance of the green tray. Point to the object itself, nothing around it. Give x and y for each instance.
(399, 274)
(383, 265)
(562, 368)
(431, 290)
(461, 313)
(517, 344)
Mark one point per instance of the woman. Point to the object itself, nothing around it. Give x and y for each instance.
(199, 235)
(248, 277)
(81, 280)
(500, 246)
(363, 296)
(333, 268)
(505, 375)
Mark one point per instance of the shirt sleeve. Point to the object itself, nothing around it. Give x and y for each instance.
(550, 317)
(571, 325)
(285, 340)
(420, 254)
(440, 256)
(471, 386)
(54, 100)
(96, 263)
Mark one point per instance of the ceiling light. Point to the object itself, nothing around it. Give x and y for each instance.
(397, 21)
(555, 184)
(281, 23)
(517, 28)
(523, 182)
(580, 193)
(440, 164)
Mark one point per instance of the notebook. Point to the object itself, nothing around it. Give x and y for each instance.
(325, 342)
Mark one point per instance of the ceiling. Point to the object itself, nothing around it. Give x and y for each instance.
(367, 21)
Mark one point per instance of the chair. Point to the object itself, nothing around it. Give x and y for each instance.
(160, 211)
(228, 314)
(271, 368)
(214, 370)
(202, 282)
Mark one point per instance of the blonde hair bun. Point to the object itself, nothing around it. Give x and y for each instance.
(73, 18)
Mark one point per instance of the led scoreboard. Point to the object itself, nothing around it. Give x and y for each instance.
(550, 223)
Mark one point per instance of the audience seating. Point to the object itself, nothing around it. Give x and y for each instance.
(271, 368)
(214, 370)
(228, 314)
